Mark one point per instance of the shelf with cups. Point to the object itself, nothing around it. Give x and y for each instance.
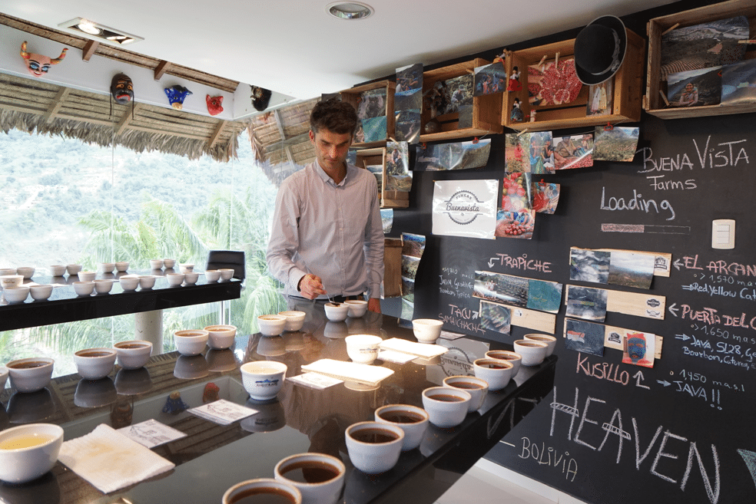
(355, 95)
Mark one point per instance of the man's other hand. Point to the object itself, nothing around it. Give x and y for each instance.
(374, 305)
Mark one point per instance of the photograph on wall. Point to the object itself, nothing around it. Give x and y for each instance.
(545, 197)
(544, 296)
(574, 151)
(541, 153)
(704, 45)
(409, 266)
(584, 337)
(398, 176)
(377, 171)
(631, 270)
(460, 91)
(409, 77)
(589, 265)
(516, 192)
(465, 116)
(600, 99)
(408, 310)
(553, 83)
(739, 83)
(695, 88)
(407, 100)
(617, 143)
(586, 303)
(413, 245)
(490, 79)
(452, 156)
(516, 152)
(639, 349)
(515, 224)
(408, 289)
(495, 317)
(372, 104)
(465, 208)
(501, 288)
(374, 129)
(387, 219)
(407, 126)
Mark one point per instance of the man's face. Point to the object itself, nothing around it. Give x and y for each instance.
(331, 148)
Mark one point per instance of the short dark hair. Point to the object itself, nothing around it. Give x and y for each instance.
(334, 115)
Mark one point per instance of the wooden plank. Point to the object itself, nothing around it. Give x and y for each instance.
(89, 49)
(279, 125)
(157, 131)
(639, 305)
(24, 109)
(126, 119)
(56, 104)
(161, 68)
(532, 319)
(214, 138)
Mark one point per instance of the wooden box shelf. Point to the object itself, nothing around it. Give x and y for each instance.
(627, 89)
(377, 156)
(392, 266)
(486, 109)
(353, 97)
(653, 103)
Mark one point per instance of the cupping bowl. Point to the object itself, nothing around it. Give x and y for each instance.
(221, 336)
(190, 341)
(19, 465)
(41, 292)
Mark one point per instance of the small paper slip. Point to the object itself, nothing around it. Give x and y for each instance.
(397, 357)
(222, 412)
(448, 335)
(349, 371)
(417, 349)
(151, 433)
(315, 380)
(110, 461)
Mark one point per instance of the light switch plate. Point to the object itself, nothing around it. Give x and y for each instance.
(723, 234)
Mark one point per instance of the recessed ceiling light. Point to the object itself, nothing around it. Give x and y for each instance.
(99, 31)
(88, 27)
(350, 10)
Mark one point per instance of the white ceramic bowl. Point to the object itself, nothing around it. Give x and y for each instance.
(212, 275)
(16, 294)
(427, 330)
(512, 357)
(496, 372)
(533, 352)
(221, 336)
(374, 458)
(323, 492)
(26, 464)
(103, 286)
(147, 282)
(174, 279)
(57, 270)
(94, 363)
(3, 377)
(411, 419)
(363, 348)
(86, 276)
(156, 263)
(250, 487)
(357, 307)
(10, 281)
(129, 282)
(263, 379)
(107, 267)
(294, 320)
(446, 413)
(271, 325)
(226, 273)
(186, 268)
(191, 278)
(25, 271)
(476, 387)
(7, 271)
(84, 288)
(169, 263)
(543, 338)
(336, 312)
(133, 354)
(32, 374)
(73, 269)
(41, 292)
(122, 266)
(190, 341)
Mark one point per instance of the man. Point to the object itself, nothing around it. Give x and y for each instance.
(327, 236)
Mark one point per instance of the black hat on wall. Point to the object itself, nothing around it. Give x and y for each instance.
(600, 49)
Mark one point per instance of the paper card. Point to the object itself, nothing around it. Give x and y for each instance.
(616, 144)
(352, 371)
(584, 337)
(545, 197)
(501, 288)
(396, 357)
(573, 152)
(490, 79)
(409, 77)
(589, 265)
(541, 150)
(387, 219)
(410, 347)
(630, 269)
(398, 177)
(413, 245)
(465, 208)
(407, 125)
(452, 156)
(515, 224)
(222, 412)
(516, 192)
(544, 296)
(695, 88)
(495, 317)
(372, 104)
(639, 305)
(639, 349)
(448, 335)
(586, 303)
(553, 82)
(315, 380)
(600, 99)
(151, 433)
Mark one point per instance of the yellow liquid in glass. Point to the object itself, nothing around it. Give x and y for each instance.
(25, 441)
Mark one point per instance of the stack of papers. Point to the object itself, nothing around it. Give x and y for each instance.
(223, 412)
(349, 371)
(417, 349)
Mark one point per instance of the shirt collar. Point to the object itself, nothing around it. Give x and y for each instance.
(324, 176)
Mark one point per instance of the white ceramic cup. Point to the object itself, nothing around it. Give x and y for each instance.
(84, 288)
(8, 271)
(133, 354)
(175, 279)
(10, 281)
(427, 330)
(496, 372)
(190, 341)
(73, 269)
(147, 282)
(321, 491)
(94, 363)
(294, 320)
(363, 348)
(476, 387)
(533, 352)
(512, 357)
(221, 336)
(190, 277)
(20, 465)
(103, 286)
(156, 264)
(169, 263)
(271, 325)
(411, 419)
(122, 266)
(374, 458)
(336, 312)
(226, 273)
(442, 412)
(25, 271)
(357, 307)
(212, 275)
(16, 294)
(543, 338)
(86, 276)
(263, 379)
(41, 292)
(107, 267)
(262, 486)
(30, 375)
(186, 268)
(57, 270)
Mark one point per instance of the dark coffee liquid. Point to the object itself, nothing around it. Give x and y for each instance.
(446, 398)
(374, 436)
(310, 471)
(262, 495)
(492, 366)
(29, 365)
(399, 416)
(466, 385)
(94, 354)
(135, 345)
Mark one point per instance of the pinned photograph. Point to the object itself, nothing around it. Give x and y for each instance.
(501, 288)
(460, 91)
(515, 224)
(589, 265)
(387, 219)
(600, 99)
(553, 83)
(407, 125)
(407, 100)
(495, 317)
(639, 349)
(409, 77)
(372, 104)
(408, 310)
(377, 171)
(490, 79)
(452, 156)
(695, 88)
(544, 296)
(398, 176)
(516, 152)
(541, 153)
(631, 270)
(586, 303)
(584, 337)
(615, 144)
(739, 83)
(408, 289)
(409, 266)
(545, 197)
(373, 129)
(465, 116)
(413, 245)
(515, 192)
(573, 152)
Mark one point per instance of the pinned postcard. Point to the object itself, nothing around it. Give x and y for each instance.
(544, 296)
(545, 197)
(739, 83)
(490, 79)
(372, 104)
(222, 412)
(460, 91)
(695, 88)
(398, 175)
(573, 151)
(553, 83)
(584, 337)
(630, 269)
(413, 245)
(151, 433)
(465, 208)
(453, 156)
(589, 265)
(409, 267)
(639, 349)
(516, 152)
(600, 99)
(541, 151)
(387, 219)
(409, 100)
(495, 317)
(615, 144)
(315, 380)
(516, 192)
(409, 77)
(373, 130)
(407, 125)
(501, 288)
(586, 303)
(515, 224)
(408, 289)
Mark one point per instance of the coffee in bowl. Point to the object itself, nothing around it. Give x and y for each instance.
(447, 407)
(512, 357)
(30, 375)
(94, 363)
(543, 338)
(476, 387)
(411, 419)
(262, 491)
(318, 477)
(533, 352)
(374, 447)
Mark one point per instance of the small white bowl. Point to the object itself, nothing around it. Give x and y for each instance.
(186, 268)
(191, 278)
(357, 307)
(294, 320)
(129, 282)
(263, 379)
(10, 281)
(7, 271)
(103, 286)
(57, 270)
(73, 269)
(26, 464)
(533, 352)
(445, 412)
(156, 264)
(147, 282)
(427, 330)
(16, 294)
(496, 372)
(279, 488)
(543, 338)
(363, 348)
(84, 288)
(190, 341)
(226, 273)
(87, 276)
(512, 357)
(212, 275)
(221, 336)
(174, 279)
(133, 354)
(323, 492)
(476, 387)
(25, 271)
(411, 419)
(94, 363)
(374, 458)
(169, 263)
(271, 325)
(122, 266)
(32, 378)
(107, 267)
(41, 292)
(336, 312)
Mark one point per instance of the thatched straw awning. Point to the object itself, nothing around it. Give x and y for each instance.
(33, 105)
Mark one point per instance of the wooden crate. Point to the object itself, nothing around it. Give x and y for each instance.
(353, 96)
(627, 89)
(392, 267)
(377, 156)
(486, 109)
(653, 103)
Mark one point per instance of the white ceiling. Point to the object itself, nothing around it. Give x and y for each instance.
(294, 47)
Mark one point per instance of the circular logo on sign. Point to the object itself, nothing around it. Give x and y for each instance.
(463, 207)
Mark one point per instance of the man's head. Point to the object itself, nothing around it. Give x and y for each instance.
(332, 125)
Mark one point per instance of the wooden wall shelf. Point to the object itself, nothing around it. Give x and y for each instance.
(353, 96)
(377, 156)
(653, 102)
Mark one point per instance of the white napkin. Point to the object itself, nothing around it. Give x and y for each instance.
(410, 347)
(110, 461)
(349, 371)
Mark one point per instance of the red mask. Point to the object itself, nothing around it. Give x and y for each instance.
(214, 104)
(37, 64)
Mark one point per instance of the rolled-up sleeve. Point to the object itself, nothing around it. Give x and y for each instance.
(284, 237)
(373, 247)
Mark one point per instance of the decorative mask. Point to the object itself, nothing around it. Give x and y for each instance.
(214, 104)
(260, 98)
(176, 95)
(37, 64)
(122, 89)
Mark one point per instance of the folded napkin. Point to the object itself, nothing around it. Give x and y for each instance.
(110, 461)
(349, 371)
(409, 347)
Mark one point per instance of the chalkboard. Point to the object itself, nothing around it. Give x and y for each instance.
(613, 432)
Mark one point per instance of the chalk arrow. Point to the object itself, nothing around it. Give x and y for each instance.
(690, 287)
(475, 315)
(672, 309)
(638, 379)
(663, 382)
(677, 264)
(683, 337)
(491, 262)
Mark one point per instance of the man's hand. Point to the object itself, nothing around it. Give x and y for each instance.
(374, 305)
(311, 286)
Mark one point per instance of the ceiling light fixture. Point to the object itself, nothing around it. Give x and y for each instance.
(350, 10)
(98, 31)
(88, 27)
